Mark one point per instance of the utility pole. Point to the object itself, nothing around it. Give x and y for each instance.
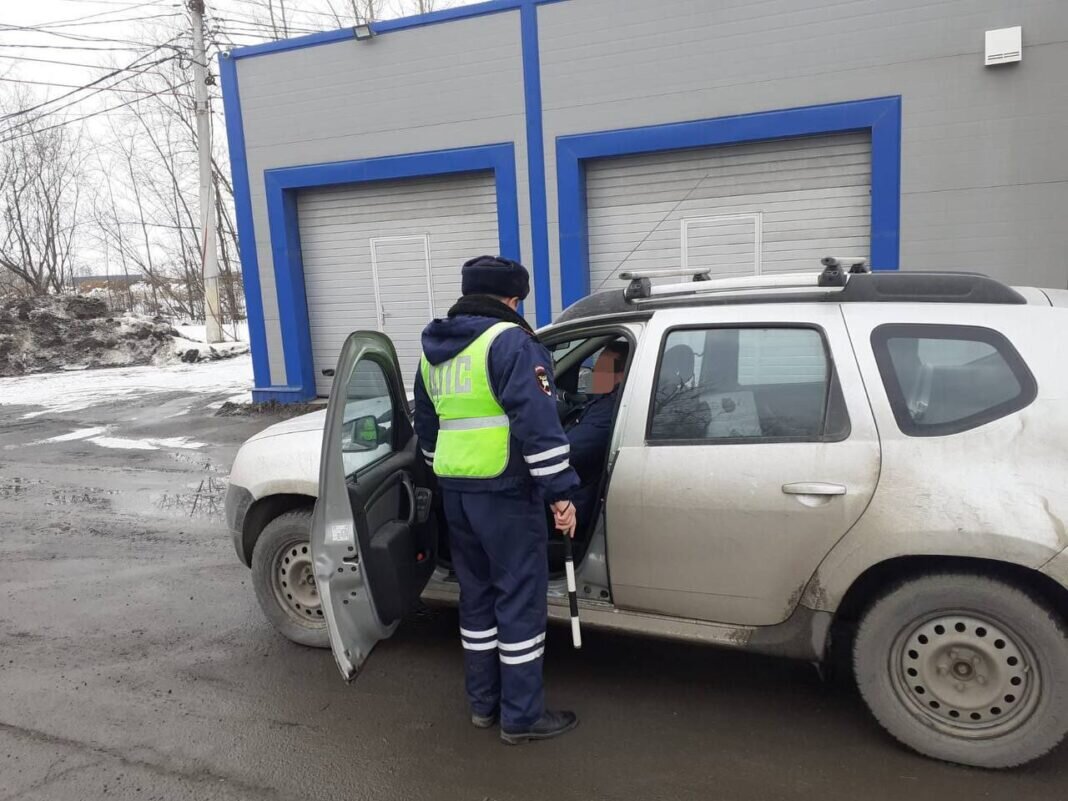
(209, 258)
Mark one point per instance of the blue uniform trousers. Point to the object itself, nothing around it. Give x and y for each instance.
(498, 542)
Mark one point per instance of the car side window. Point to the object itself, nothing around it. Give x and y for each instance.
(746, 384)
(944, 379)
(367, 432)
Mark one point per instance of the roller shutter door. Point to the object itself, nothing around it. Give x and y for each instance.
(386, 256)
(764, 207)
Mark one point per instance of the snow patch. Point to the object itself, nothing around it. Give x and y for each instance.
(149, 444)
(74, 391)
(81, 433)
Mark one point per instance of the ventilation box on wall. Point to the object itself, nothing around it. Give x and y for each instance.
(1004, 46)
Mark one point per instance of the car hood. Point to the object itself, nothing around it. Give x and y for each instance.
(296, 425)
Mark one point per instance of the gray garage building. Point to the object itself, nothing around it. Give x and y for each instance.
(582, 136)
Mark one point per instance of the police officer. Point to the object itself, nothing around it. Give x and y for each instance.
(486, 418)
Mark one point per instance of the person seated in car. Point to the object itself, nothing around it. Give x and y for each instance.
(589, 435)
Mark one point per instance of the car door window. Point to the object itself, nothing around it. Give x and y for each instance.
(944, 379)
(367, 431)
(746, 384)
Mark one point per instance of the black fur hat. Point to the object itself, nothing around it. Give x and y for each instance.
(495, 275)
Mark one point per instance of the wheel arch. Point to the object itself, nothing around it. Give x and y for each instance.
(263, 511)
(874, 581)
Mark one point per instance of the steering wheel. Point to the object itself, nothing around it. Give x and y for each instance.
(570, 406)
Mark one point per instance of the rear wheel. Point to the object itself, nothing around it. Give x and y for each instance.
(284, 579)
(965, 668)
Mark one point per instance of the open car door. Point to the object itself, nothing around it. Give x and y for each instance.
(374, 539)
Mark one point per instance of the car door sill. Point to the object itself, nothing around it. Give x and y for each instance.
(803, 635)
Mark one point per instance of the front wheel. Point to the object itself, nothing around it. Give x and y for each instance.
(284, 579)
(965, 668)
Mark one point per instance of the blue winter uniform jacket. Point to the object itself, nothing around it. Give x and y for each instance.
(590, 435)
(520, 371)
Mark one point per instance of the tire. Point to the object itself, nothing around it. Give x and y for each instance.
(283, 580)
(929, 637)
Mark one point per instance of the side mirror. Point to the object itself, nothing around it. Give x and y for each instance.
(360, 435)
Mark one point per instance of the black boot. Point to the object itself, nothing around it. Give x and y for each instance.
(552, 724)
(483, 721)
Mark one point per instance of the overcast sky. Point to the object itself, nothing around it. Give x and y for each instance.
(54, 48)
(93, 35)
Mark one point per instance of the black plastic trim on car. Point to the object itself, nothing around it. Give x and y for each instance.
(880, 338)
(834, 387)
(910, 286)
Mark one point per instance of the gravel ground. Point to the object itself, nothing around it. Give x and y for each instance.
(135, 664)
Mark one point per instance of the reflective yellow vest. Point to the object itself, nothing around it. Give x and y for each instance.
(473, 434)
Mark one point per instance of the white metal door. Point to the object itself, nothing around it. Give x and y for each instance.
(404, 292)
(764, 207)
(408, 227)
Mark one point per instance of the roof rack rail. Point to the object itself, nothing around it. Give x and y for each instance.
(641, 281)
(836, 273)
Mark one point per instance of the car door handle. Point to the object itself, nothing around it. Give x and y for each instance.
(813, 488)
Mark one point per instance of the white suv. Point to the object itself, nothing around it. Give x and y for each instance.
(870, 463)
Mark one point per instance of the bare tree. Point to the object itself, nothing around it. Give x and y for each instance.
(40, 193)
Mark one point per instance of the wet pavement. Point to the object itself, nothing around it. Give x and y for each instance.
(135, 664)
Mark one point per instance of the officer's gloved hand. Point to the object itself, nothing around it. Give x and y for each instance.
(564, 518)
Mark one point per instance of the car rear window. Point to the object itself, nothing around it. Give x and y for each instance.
(944, 379)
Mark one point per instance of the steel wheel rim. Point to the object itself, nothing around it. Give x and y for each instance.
(965, 674)
(293, 580)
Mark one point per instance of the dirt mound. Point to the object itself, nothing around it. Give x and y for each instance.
(74, 332)
(282, 411)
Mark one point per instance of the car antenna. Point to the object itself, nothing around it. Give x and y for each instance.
(661, 221)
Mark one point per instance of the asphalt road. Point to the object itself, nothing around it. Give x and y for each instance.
(135, 664)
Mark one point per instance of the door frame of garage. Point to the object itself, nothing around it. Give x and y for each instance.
(881, 116)
(282, 185)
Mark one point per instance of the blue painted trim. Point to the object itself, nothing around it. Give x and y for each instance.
(246, 235)
(882, 116)
(282, 394)
(282, 185)
(296, 43)
(390, 26)
(447, 15)
(539, 224)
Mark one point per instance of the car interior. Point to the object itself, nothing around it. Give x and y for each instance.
(576, 363)
(740, 384)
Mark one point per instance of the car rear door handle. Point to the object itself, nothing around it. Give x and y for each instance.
(813, 488)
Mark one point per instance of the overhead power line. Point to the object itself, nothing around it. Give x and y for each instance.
(71, 36)
(45, 27)
(122, 3)
(121, 10)
(75, 47)
(90, 116)
(113, 88)
(127, 68)
(56, 61)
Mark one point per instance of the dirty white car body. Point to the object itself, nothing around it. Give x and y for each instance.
(935, 546)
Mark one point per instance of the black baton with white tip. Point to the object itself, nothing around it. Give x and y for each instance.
(572, 593)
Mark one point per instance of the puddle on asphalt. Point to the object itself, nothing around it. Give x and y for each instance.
(16, 488)
(203, 499)
(90, 496)
(196, 459)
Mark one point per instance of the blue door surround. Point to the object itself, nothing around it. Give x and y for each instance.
(881, 116)
(282, 186)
